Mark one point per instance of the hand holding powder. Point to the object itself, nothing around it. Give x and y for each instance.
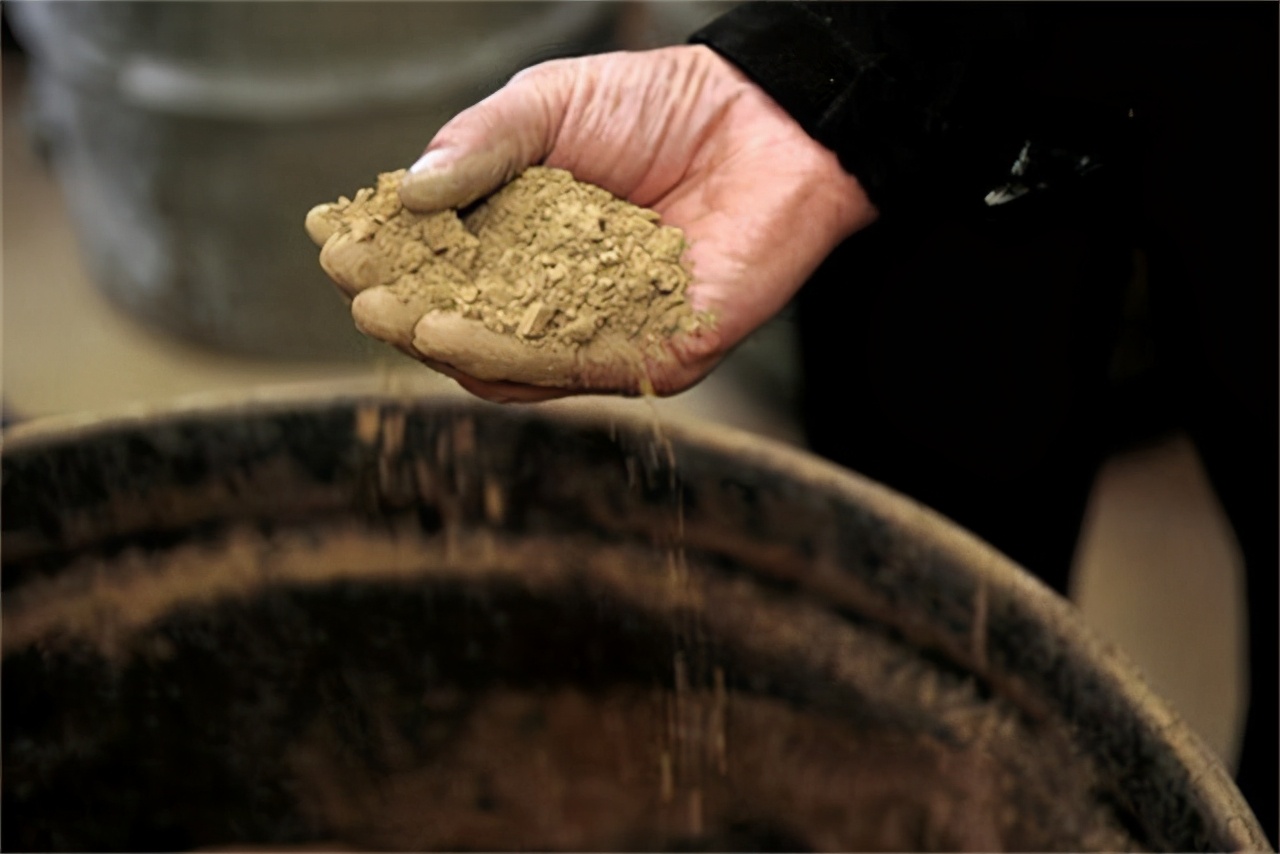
(547, 281)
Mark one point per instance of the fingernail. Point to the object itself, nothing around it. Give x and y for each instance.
(435, 185)
(431, 160)
(435, 182)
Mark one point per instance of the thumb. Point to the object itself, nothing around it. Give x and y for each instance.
(487, 145)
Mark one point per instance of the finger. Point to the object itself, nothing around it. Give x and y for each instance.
(487, 145)
(381, 314)
(497, 392)
(689, 357)
(513, 392)
(354, 265)
(482, 354)
(488, 356)
(322, 223)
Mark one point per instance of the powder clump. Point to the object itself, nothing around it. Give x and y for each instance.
(551, 261)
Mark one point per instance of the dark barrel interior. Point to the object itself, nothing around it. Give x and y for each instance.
(375, 624)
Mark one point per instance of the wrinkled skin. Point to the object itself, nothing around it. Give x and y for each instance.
(679, 130)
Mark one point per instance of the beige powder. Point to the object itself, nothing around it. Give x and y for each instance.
(548, 260)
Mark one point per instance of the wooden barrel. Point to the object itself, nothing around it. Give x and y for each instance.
(368, 622)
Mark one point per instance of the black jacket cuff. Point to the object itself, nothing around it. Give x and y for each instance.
(880, 84)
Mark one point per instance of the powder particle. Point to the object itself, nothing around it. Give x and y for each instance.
(551, 261)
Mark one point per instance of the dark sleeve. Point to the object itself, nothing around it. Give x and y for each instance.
(900, 91)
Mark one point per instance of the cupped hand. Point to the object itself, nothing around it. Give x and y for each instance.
(679, 130)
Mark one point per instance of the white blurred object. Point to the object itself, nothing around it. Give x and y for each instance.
(1159, 572)
(661, 23)
(190, 139)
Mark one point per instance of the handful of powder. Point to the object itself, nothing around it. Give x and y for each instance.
(554, 263)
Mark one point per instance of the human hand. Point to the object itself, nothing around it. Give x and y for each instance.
(679, 130)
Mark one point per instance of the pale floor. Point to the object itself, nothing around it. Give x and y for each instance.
(1158, 571)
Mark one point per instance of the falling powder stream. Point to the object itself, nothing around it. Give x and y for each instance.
(694, 741)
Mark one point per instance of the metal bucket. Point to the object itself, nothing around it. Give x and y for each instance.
(375, 623)
(190, 139)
